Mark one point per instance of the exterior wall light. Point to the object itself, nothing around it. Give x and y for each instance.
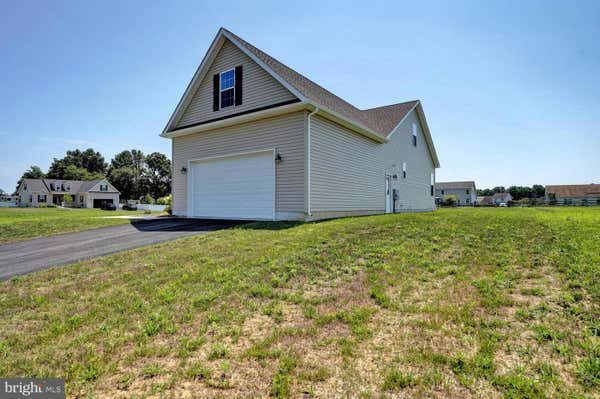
(183, 170)
(278, 158)
(395, 177)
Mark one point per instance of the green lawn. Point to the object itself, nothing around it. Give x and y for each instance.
(23, 223)
(461, 303)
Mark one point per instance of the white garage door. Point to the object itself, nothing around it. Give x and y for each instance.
(233, 187)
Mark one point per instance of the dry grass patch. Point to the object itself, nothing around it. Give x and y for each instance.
(457, 303)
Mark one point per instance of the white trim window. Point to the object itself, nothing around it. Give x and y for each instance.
(414, 134)
(227, 88)
(404, 170)
(104, 187)
(432, 183)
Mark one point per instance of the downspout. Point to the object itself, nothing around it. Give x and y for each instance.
(309, 210)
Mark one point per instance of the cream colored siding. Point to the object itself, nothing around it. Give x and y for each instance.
(348, 170)
(286, 133)
(259, 88)
(414, 191)
(346, 173)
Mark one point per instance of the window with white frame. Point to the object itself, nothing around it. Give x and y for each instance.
(227, 88)
(41, 197)
(404, 170)
(104, 187)
(414, 134)
(432, 182)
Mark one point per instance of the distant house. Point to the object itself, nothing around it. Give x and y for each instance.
(85, 194)
(573, 194)
(501, 198)
(8, 200)
(465, 191)
(485, 200)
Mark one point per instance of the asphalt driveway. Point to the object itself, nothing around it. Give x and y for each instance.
(27, 256)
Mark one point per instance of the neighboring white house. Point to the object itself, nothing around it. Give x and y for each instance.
(465, 192)
(573, 194)
(8, 200)
(501, 198)
(85, 194)
(253, 139)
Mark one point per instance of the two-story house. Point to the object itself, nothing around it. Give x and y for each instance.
(464, 191)
(254, 139)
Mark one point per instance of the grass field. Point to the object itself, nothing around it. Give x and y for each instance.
(23, 223)
(455, 303)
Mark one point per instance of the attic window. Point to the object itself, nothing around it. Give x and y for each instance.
(104, 187)
(414, 134)
(227, 88)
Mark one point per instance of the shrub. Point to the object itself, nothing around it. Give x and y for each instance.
(147, 199)
(164, 200)
(67, 198)
(450, 200)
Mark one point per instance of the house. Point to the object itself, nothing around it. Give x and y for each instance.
(574, 194)
(7, 200)
(254, 139)
(85, 194)
(485, 200)
(465, 191)
(501, 198)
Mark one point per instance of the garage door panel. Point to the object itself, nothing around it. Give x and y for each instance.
(234, 187)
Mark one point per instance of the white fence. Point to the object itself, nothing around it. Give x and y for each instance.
(148, 207)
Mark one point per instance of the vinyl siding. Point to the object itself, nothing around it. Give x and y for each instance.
(259, 88)
(414, 191)
(286, 133)
(346, 173)
(348, 170)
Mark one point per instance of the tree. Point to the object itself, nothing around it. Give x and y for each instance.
(124, 180)
(499, 189)
(538, 190)
(122, 160)
(158, 174)
(34, 172)
(126, 173)
(90, 160)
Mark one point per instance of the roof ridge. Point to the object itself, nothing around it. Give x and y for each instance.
(289, 68)
(390, 105)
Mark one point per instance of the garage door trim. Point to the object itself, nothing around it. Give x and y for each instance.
(190, 180)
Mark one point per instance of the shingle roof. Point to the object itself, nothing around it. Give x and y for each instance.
(36, 185)
(449, 185)
(381, 120)
(574, 190)
(76, 186)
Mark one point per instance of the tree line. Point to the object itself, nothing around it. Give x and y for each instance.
(134, 174)
(517, 192)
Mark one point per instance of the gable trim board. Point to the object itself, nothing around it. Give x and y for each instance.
(333, 163)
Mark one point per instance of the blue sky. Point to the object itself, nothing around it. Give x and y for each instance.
(511, 90)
